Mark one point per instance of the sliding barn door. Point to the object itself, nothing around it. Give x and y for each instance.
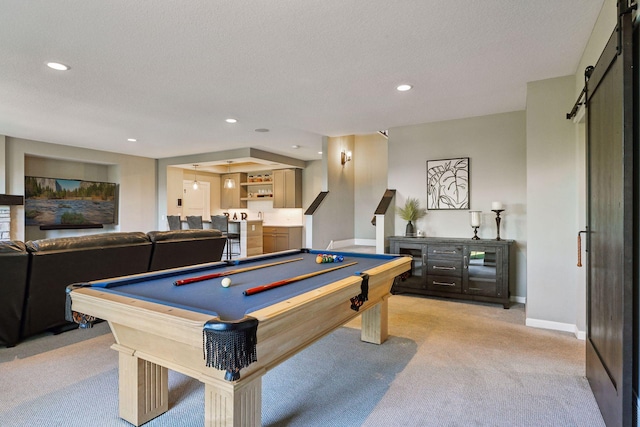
(610, 219)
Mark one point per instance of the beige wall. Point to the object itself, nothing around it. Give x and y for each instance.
(370, 175)
(311, 186)
(3, 176)
(136, 177)
(602, 31)
(175, 178)
(552, 198)
(334, 220)
(496, 146)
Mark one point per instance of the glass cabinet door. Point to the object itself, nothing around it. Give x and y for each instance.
(482, 269)
(414, 278)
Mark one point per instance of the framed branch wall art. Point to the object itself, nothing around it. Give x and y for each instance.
(448, 184)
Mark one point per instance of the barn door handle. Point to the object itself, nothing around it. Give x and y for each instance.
(580, 248)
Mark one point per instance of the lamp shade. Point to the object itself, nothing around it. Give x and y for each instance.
(229, 183)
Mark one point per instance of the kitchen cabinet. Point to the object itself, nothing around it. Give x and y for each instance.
(232, 198)
(254, 238)
(275, 239)
(287, 188)
(455, 268)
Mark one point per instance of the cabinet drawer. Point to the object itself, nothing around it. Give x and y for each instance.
(274, 230)
(445, 267)
(443, 251)
(444, 283)
(482, 287)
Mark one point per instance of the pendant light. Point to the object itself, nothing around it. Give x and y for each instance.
(195, 177)
(229, 182)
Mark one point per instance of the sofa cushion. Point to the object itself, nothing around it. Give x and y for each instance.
(59, 262)
(159, 236)
(90, 241)
(14, 263)
(179, 248)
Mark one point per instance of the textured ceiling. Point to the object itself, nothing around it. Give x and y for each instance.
(169, 73)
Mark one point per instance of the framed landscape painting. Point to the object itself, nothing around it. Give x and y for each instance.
(54, 202)
(448, 184)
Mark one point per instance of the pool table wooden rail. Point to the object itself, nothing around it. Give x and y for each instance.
(152, 338)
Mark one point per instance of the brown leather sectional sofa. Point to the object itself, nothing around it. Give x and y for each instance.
(35, 274)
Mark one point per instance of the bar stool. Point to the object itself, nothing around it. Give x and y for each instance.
(194, 222)
(221, 222)
(174, 222)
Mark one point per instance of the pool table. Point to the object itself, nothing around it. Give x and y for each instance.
(229, 337)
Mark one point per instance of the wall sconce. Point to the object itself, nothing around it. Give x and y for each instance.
(345, 156)
(195, 177)
(229, 182)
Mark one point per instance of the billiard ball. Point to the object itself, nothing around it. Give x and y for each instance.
(226, 282)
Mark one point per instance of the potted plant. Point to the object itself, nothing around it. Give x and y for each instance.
(411, 212)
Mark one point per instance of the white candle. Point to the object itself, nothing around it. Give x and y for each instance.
(475, 218)
(496, 206)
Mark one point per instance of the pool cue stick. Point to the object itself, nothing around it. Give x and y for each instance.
(230, 272)
(268, 286)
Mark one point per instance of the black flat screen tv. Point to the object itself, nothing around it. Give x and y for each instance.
(69, 203)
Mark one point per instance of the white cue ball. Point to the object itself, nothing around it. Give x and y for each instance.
(226, 282)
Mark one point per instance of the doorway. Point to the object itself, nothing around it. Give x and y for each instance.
(196, 202)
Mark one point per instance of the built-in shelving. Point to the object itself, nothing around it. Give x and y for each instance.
(258, 190)
(270, 184)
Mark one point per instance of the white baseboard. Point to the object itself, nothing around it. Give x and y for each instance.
(336, 244)
(521, 300)
(556, 326)
(365, 242)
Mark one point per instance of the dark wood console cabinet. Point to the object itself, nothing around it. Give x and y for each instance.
(456, 268)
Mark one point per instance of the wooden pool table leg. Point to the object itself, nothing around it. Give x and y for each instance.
(375, 323)
(143, 387)
(233, 403)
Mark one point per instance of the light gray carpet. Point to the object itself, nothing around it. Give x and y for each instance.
(447, 363)
(76, 385)
(478, 365)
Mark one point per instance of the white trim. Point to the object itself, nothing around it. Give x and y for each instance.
(365, 242)
(521, 300)
(556, 326)
(335, 244)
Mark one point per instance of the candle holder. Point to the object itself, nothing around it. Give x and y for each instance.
(475, 223)
(497, 211)
(475, 232)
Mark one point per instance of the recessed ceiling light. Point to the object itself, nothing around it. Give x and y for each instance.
(131, 139)
(319, 152)
(296, 146)
(57, 66)
(231, 121)
(404, 88)
(262, 130)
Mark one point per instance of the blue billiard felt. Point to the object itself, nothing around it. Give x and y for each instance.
(228, 304)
